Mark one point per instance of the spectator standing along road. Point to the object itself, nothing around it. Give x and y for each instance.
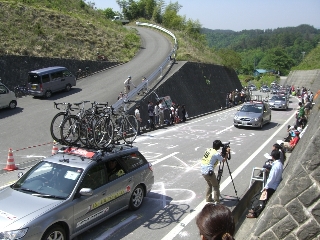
(161, 112)
(127, 84)
(138, 117)
(151, 115)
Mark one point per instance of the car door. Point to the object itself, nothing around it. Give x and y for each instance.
(89, 209)
(58, 81)
(4, 96)
(120, 184)
(266, 113)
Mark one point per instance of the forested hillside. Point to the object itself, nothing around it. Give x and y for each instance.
(260, 48)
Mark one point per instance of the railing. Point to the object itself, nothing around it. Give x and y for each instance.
(153, 76)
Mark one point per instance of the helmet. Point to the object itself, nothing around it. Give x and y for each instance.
(129, 76)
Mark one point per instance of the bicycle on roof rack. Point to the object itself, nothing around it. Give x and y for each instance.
(112, 127)
(58, 119)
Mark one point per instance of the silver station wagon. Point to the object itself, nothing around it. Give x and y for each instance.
(73, 190)
(252, 114)
(279, 102)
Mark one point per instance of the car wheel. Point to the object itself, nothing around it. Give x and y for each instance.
(261, 124)
(48, 94)
(12, 104)
(55, 232)
(68, 87)
(136, 198)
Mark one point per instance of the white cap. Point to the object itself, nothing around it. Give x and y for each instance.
(299, 129)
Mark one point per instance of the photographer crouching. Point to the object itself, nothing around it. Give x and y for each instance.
(210, 159)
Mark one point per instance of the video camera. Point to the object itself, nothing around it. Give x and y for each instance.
(224, 152)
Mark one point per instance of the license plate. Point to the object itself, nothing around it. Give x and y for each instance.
(33, 87)
(244, 123)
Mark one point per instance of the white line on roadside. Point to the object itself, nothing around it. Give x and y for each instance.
(178, 228)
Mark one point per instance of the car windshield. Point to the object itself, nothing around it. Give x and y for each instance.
(251, 108)
(279, 98)
(49, 180)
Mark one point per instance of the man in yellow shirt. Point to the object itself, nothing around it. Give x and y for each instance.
(210, 159)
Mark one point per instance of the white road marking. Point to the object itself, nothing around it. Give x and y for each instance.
(164, 158)
(108, 233)
(178, 228)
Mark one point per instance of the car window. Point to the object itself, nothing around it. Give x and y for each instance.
(114, 169)
(49, 179)
(133, 161)
(95, 177)
(3, 89)
(66, 73)
(58, 74)
(45, 78)
(34, 78)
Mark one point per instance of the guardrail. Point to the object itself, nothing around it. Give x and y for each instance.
(153, 76)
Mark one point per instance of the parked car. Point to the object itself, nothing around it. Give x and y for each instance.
(264, 88)
(68, 193)
(43, 82)
(279, 102)
(252, 114)
(252, 87)
(7, 98)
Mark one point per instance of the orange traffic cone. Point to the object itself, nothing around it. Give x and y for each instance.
(10, 162)
(54, 148)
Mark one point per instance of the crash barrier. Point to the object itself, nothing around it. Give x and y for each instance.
(240, 209)
(153, 76)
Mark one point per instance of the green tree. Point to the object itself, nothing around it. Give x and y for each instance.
(277, 59)
(109, 13)
(230, 58)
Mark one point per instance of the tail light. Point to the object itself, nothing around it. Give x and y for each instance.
(41, 87)
(150, 167)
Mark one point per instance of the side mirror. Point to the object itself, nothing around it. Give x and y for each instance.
(86, 192)
(20, 174)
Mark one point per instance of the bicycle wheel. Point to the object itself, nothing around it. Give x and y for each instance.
(88, 121)
(55, 126)
(70, 130)
(129, 129)
(103, 132)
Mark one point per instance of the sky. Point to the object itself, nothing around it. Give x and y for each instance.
(239, 15)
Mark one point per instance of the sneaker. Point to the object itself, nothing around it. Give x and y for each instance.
(217, 203)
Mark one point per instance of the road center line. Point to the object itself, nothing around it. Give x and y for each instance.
(178, 228)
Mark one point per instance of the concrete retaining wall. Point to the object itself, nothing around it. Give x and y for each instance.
(14, 69)
(202, 88)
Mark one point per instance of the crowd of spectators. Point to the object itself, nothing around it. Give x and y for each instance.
(236, 97)
(273, 167)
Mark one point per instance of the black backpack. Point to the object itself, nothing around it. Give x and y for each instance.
(257, 205)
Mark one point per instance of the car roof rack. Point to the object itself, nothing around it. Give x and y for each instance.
(94, 153)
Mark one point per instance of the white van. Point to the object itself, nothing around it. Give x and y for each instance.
(43, 82)
(7, 97)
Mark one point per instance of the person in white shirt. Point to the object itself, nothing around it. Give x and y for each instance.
(137, 114)
(161, 112)
(127, 84)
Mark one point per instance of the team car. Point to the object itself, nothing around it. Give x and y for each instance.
(279, 102)
(69, 192)
(252, 114)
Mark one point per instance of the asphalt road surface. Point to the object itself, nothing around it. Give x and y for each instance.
(26, 129)
(178, 194)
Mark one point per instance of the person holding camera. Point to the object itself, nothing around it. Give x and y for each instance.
(210, 159)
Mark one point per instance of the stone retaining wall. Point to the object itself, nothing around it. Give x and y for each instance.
(294, 210)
